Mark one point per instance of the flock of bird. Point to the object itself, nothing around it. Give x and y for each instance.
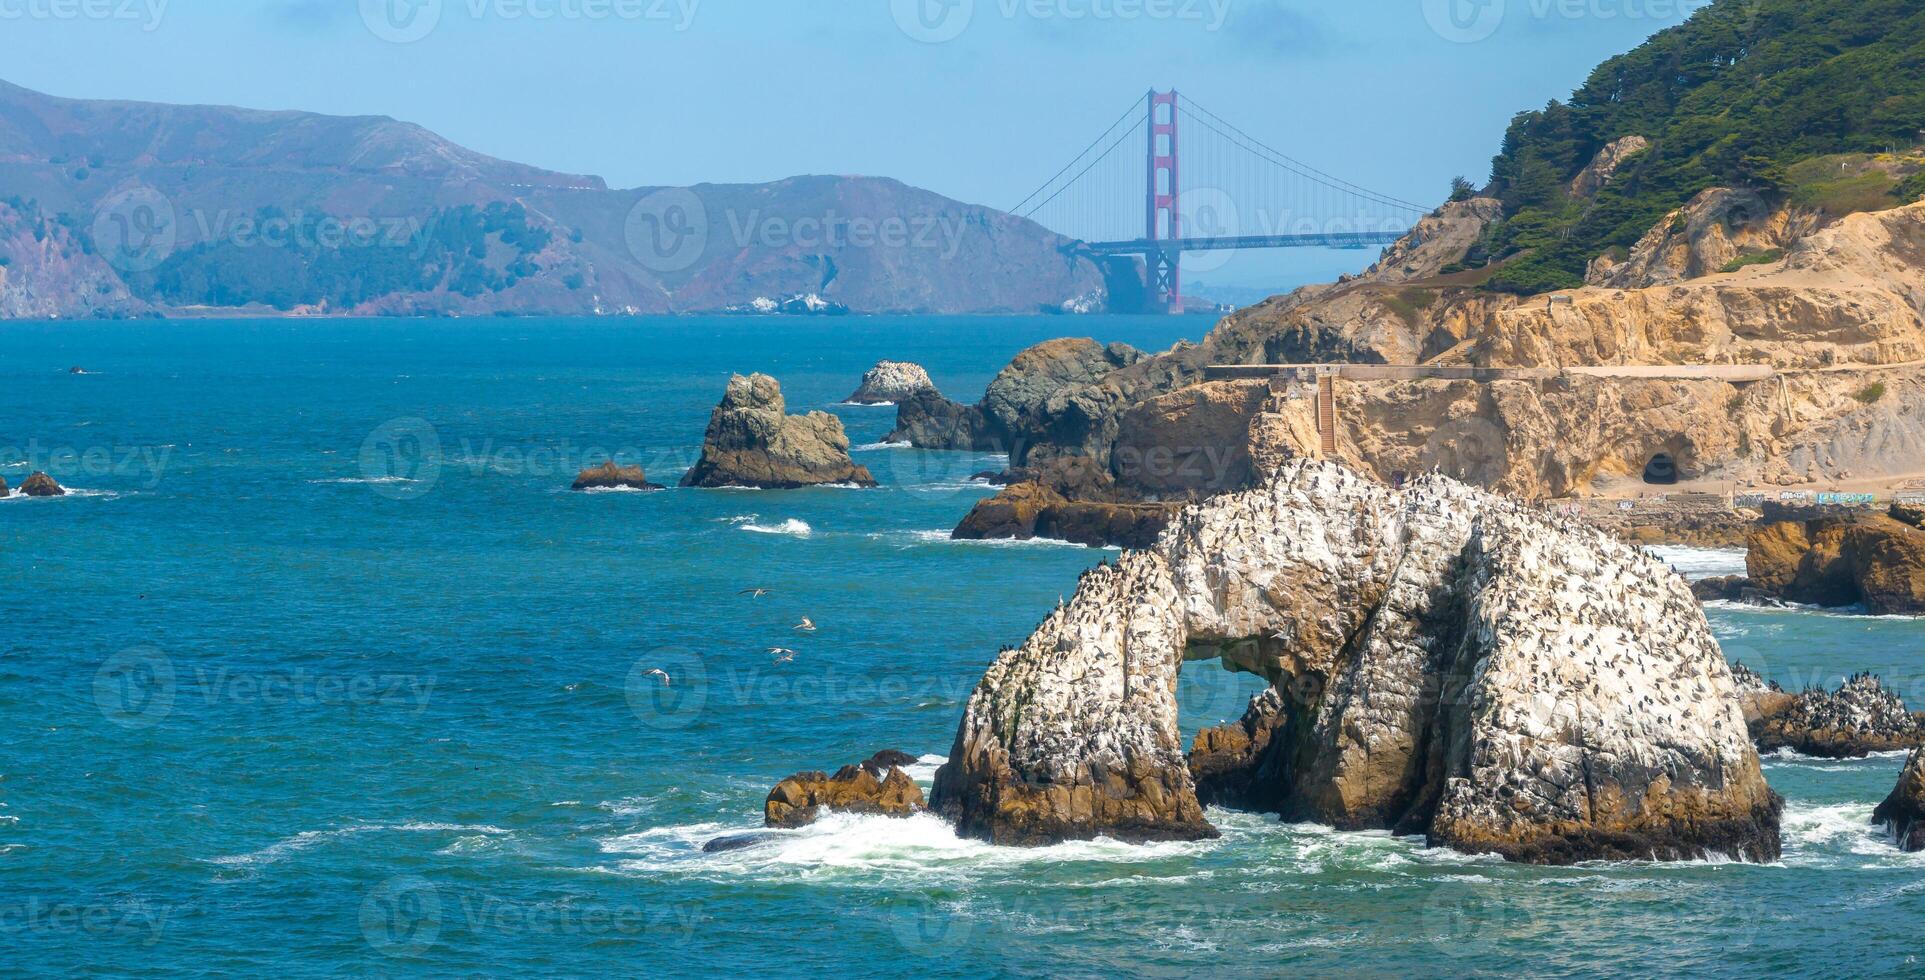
(781, 655)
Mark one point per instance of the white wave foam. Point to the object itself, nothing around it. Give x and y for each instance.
(370, 481)
(615, 490)
(877, 446)
(73, 493)
(1696, 564)
(865, 404)
(924, 768)
(942, 537)
(837, 843)
(309, 839)
(791, 527)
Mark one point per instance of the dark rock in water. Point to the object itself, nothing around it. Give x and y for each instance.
(1030, 510)
(927, 420)
(1903, 812)
(76, 370)
(1735, 588)
(752, 442)
(3, 487)
(995, 478)
(1426, 678)
(888, 759)
(1021, 404)
(609, 476)
(41, 485)
(892, 382)
(1858, 719)
(877, 786)
(1873, 560)
(737, 842)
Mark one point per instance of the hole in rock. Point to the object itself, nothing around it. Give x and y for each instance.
(1662, 471)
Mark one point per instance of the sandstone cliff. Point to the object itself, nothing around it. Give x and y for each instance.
(753, 442)
(1873, 560)
(1461, 666)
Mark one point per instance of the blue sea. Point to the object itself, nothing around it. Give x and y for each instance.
(322, 670)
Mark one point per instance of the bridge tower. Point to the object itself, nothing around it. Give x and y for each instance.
(1163, 261)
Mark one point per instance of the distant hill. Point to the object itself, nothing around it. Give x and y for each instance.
(129, 208)
(1778, 96)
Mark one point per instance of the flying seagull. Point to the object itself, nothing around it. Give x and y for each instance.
(754, 593)
(807, 625)
(782, 655)
(659, 672)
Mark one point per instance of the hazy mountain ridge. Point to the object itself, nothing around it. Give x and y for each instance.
(197, 209)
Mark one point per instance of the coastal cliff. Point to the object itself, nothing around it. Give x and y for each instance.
(1443, 661)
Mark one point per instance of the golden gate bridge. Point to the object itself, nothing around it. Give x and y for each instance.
(1217, 188)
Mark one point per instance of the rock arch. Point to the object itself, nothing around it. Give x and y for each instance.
(1443, 661)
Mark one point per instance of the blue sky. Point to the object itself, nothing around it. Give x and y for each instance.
(1397, 95)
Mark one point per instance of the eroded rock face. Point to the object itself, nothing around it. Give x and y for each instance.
(752, 442)
(41, 485)
(1445, 661)
(877, 786)
(1873, 560)
(1438, 240)
(610, 476)
(1858, 719)
(1605, 165)
(1903, 812)
(891, 382)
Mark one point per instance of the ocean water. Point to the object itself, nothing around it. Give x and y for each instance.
(323, 671)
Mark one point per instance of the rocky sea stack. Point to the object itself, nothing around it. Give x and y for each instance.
(877, 786)
(1903, 812)
(1872, 560)
(41, 485)
(1442, 661)
(1858, 719)
(751, 442)
(890, 382)
(610, 476)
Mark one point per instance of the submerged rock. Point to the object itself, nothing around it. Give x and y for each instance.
(891, 382)
(1873, 560)
(752, 442)
(3, 487)
(1903, 812)
(610, 476)
(877, 786)
(1858, 719)
(1443, 661)
(41, 485)
(737, 842)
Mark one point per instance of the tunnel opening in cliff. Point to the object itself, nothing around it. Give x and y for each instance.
(1661, 471)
